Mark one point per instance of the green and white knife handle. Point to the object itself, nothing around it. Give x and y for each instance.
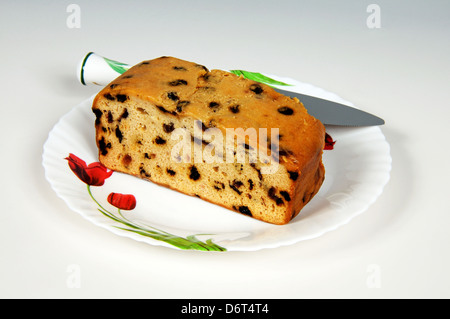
(98, 70)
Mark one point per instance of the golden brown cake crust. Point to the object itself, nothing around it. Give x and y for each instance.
(182, 89)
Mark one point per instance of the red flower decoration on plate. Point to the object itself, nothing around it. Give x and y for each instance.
(122, 201)
(329, 143)
(93, 174)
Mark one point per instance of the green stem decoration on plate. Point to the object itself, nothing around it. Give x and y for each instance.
(190, 242)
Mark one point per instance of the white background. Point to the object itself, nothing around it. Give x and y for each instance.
(400, 71)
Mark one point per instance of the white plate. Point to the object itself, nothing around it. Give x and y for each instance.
(356, 171)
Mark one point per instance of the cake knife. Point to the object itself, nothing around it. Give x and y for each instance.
(96, 69)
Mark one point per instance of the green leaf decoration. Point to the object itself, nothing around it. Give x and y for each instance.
(188, 243)
(119, 67)
(258, 77)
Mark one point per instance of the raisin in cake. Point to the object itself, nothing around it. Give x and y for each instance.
(267, 176)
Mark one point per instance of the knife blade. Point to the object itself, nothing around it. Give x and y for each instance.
(96, 69)
(333, 113)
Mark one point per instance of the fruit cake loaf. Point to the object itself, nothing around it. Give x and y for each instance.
(155, 120)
